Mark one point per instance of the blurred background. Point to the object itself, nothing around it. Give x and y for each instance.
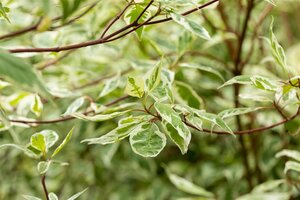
(114, 172)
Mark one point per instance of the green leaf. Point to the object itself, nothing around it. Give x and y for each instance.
(182, 136)
(110, 85)
(203, 68)
(135, 87)
(69, 7)
(242, 79)
(45, 24)
(290, 154)
(265, 196)
(20, 72)
(75, 196)
(291, 165)
(64, 142)
(187, 186)
(184, 42)
(147, 140)
(74, 106)
(65, 8)
(264, 83)
(21, 148)
(271, 2)
(215, 120)
(52, 196)
(175, 137)
(236, 111)
(43, 140)
(191, 26)
(133, 13)
(3, 12)
(38, 141)
(43, 166)
(163, 91)
(4, 84)
(277, 50)
(124, 129)
(154, 78)
(268, 186)
(99, 117)
(37, 105)
(27, 197)
(185, 94)
(196, 121)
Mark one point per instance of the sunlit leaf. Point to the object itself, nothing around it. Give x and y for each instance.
(291, 165)
(186, 94)
(293, 154)
(37, 105)
(182, 135)
(242, 79)
(75, 196)
(20, 72)
(132, 15)
(110, 86)
(192, 26)
(99, 117)
(4, 11)
(43, 166)
(52, 196)
(27, 197)
(74, 106)
(188, 187)
(154, 77)
(64, 142)
(135, 87)
(147, 140)
(43, 140)
(124, 129)
(277, 50)
(236, 111)
(203, 68)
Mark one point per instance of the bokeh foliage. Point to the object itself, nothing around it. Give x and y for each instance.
(199, 52)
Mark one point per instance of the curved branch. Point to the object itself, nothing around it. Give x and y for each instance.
(250, 131)
(106, 39)
(114, 20)
(66, 118)
(35, 26)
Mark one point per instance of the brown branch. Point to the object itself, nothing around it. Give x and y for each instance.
(96, 81)
(251, 131)
(66, 118)
(135, 28)
(238, 71)
(224, 17)
(143, 12)
(43, 181)
(77, 17)
(114, 20)
(185, 13)
(105, 39)
(35, 26)
(242, 38)
(261, 19)
(279, 110)
(54, 61)
(20, 32)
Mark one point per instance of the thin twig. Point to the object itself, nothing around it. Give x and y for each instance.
(105, 39)
(35, 26)
(66, 118)
(54, 61)
(114, 20)
(43, 181)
